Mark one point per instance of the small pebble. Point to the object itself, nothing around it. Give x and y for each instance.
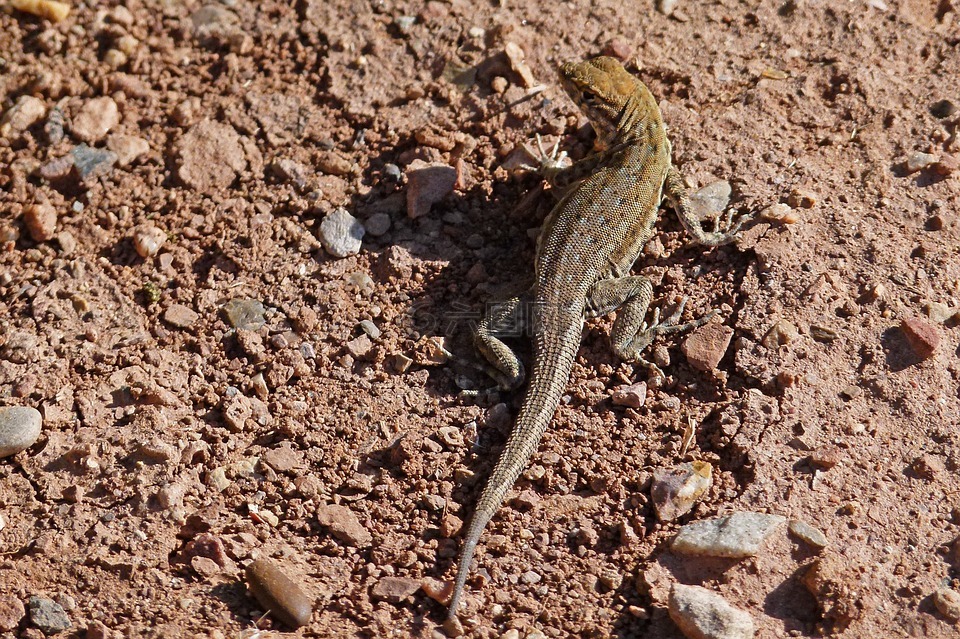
(48, 615)
(702, 614)
(24, 113)
(19, 429)
(41, 221)
(370, 329)
(344, 525)
(667, 7)
(341, 234)
(943, 109)
(180, 316)
(378, 224)
(280, 595)
(632, 396)
(826, 457)
(11, 612)
(95, 119)
(675, 491)
(780, 212)
(148, 239)
(245, 314)
(807, 533)
(48, 9)
(801, 198)
(737, 535)
(780, 334)
(127, 147)
(919, 161)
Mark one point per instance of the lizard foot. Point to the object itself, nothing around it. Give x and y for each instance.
(550, 162)
(648, 332)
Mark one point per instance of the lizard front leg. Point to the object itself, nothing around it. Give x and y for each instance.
(631, 334)
(676, 194)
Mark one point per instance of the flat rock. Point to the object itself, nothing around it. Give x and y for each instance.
(706, 346)
(427, 184)
(344, 525)
(702, 614)
(737, 535)
(394, 589)
(95, 119)
(89, 162)
(19, 429)
(341, 234)
(674, 491)
(48, 615)
(211, 156)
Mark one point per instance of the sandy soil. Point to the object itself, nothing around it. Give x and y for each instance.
(176, 448)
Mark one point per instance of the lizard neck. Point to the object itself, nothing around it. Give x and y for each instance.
(638, 120)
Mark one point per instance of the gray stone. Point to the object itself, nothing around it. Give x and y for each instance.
(805, 532)
(89, 162)
(737, 535)
(245, 314)
(701, 614)
(378, 224)
(711, 200)
(48, 615)
(341, 234)
(19, 429)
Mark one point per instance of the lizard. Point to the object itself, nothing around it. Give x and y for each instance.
(609, 205)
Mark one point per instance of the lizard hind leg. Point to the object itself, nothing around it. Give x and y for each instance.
(503, 320)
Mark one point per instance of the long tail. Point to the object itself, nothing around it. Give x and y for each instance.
(548, 380)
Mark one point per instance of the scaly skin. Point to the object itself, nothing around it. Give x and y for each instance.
(585, 252)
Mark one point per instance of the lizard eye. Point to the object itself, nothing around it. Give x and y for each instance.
(587, 96)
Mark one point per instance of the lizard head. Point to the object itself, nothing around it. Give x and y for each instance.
(604, 90)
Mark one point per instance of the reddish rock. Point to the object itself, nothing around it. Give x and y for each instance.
(922, 336)
(706, 346)
(344, 525)
(41, 221)
(180, 316)
(11, 612)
